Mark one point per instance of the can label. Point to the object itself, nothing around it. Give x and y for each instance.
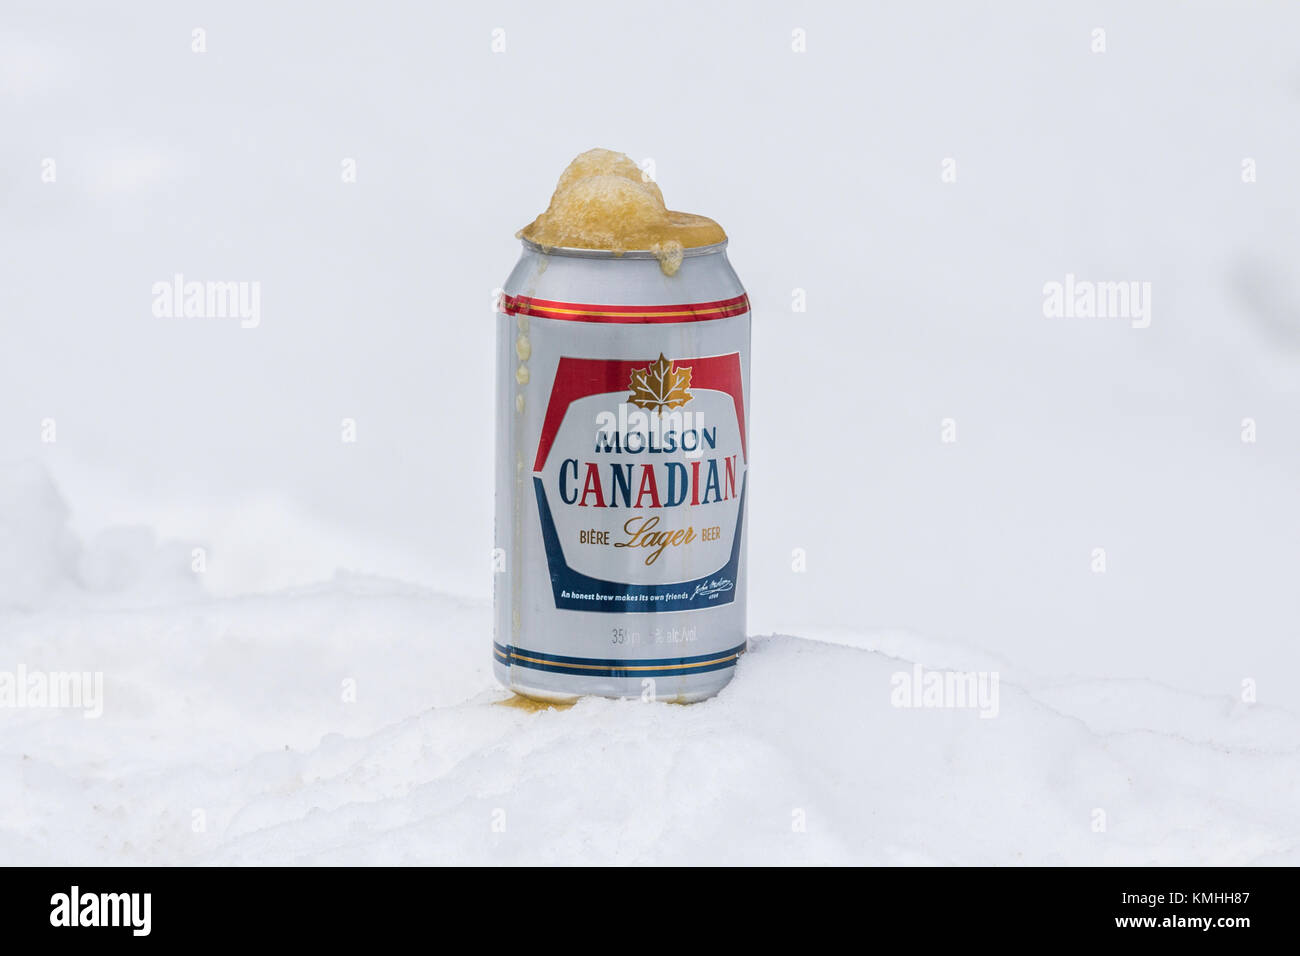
(640, 467)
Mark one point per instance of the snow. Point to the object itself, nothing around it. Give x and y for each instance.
(1145, 714)
(237, 709)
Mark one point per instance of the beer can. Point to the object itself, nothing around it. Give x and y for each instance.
(621, 474)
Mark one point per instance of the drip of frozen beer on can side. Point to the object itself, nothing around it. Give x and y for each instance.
(604, 201)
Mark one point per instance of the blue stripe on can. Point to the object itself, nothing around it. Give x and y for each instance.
(609, 667)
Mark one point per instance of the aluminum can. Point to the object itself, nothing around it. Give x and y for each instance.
(621, 475)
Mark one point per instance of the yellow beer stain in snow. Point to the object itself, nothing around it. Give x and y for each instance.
(519, 702)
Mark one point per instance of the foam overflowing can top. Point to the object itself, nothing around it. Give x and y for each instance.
(604, 201)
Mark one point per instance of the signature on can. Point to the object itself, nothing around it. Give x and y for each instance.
(711, 589)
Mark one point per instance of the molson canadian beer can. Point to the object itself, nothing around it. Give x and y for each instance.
(622, 453)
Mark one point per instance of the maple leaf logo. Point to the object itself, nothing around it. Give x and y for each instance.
(659, 386)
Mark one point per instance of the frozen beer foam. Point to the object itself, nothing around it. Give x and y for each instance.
(602, 201)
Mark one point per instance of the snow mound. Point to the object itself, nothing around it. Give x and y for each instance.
(37, 551)
(358, 722)
(43, 563)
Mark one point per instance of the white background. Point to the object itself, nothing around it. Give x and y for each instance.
(924, 302)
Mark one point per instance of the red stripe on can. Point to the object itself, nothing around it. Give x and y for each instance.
(584, 312)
